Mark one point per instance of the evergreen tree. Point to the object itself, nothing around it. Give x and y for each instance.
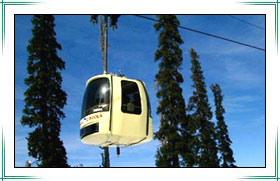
(171, 102)
(112, 17)
(189, 143)
(224, 141)
(44, 97)
(200, 116)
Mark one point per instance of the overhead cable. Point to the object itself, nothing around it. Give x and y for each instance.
(246, 22)
(19, 139)
(208, 34)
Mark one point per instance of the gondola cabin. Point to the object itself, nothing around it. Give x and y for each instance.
(115, 112)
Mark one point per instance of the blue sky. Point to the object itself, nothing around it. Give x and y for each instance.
(239, 70)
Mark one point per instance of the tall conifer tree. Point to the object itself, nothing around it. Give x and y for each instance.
(189, 143)
(200, 116)
(224, 141)
(171, 102)
(44, 97)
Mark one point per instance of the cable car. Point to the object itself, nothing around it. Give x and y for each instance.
(115, 112)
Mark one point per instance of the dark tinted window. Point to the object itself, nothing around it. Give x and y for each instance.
(131, 101)
(97, 97)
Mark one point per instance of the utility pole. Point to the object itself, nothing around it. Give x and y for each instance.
(104, 47)
(104, 40)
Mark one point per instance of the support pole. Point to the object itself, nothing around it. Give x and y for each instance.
(107, 156)
(105, 43)
(104, 47)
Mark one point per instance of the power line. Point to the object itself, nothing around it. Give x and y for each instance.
(19, 139)
(208, 34)
(246, 22)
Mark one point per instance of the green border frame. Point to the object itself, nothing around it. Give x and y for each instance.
(3, 148)
(6, 3)
(276, 168)
(3, 164)
(3, 8)
(276, 34)
(276, 11)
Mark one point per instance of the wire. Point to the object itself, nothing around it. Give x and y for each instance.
(207, 34)
(256, 26)
(19, 139)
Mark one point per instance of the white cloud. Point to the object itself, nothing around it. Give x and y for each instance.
(238, 108)
(241, 104)
(244, 98)
(256, 121)
(242, 76)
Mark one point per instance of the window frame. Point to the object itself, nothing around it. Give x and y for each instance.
(138, 89)
(109, 97)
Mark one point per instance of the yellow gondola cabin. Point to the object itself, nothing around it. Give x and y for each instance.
(115, 112)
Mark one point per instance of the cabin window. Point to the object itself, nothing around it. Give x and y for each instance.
(131, 101)
(97, 97)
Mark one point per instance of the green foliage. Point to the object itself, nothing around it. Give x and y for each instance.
(189, 143)
(171, 102)
(112, 17)
(204, 148)
(224, 141)
(167, 156)
(44, 97)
